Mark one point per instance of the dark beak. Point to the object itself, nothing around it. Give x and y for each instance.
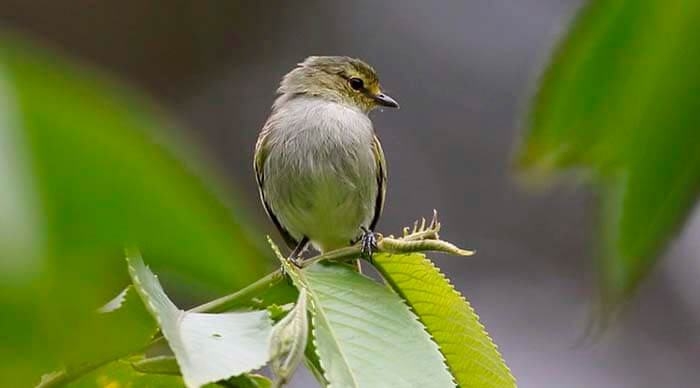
(384, 100)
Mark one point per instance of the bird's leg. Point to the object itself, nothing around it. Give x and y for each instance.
(294, 256)
(369, 243)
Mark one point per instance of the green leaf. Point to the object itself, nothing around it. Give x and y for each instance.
(120, 327)
(168, 365)
(116, 330)
(366, 336)
(471, 355)
(619, 101)
(87, 165)
(22, 241)
(120, 374)
(208, 347)
(162, 365)
(312, 362)
(288, 341)
(278, 312)
(249, 381)
(265, 293)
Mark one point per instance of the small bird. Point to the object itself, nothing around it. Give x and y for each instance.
(319, 165)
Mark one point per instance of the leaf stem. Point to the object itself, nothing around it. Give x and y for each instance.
(63, 377)
(420, 239)
(226, 302)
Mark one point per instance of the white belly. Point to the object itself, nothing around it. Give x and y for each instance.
(329, 214)
(320, 175)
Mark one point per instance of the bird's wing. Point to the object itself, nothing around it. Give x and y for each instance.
(381, 181)
(261, 152)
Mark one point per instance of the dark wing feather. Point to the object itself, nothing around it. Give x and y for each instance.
(258, 165)
(381, 181)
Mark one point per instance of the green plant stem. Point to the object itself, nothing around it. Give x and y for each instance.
(226, 302)
(63, 377)
(421, 239)
(426, 239)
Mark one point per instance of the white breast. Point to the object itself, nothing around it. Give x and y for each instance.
(320, 175)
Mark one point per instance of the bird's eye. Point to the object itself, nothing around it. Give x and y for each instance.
(356, 83)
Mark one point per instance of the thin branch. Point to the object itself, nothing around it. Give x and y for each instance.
(222, 304)
(421, 238)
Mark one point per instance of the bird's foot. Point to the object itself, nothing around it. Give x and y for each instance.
(369, 244)
(294, 260)
(294, 257)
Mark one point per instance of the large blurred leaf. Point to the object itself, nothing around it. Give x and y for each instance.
(21, 234)
(119, 328)
(101, 180)
(208, 347)
(167, 365)
(620, 100)
(120, 374)
(471, 355)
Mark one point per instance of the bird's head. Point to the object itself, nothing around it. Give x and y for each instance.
(339, 79)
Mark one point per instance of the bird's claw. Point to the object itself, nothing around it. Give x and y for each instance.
(295, 262)
(369, 244)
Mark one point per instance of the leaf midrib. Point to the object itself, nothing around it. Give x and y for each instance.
(321, 313)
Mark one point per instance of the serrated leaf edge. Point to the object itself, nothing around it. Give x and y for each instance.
(430, 336)
(471, 309)
(297, 276)
(416, 320)
(320, 359)
(134, 256)
(116, 303)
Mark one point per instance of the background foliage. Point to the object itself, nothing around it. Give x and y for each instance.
(91, 161)
(620, 102)
(91, 178)
(624, 60)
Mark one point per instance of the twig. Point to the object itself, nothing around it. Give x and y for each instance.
(421, 238)
(225, 302)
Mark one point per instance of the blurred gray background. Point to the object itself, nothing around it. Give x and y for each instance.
(463, 72)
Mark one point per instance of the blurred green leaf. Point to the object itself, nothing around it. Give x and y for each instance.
(163, 365)
(168, 365)
(101, 177)
(278, 312)
(21, 231)
(471, 355)
(120, 374)
(249, 381)
(620, 100)
(208, 347)
(119, 328)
